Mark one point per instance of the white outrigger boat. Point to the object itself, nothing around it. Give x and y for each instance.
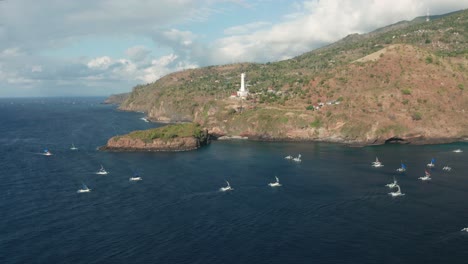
(432, 164)
(73, 147)
(377, 163)
(394, 184)
(464, 229)
(135, 177)
(275, 184)
(102, 171)
(84, 189)
(397, 193)
(47, 153)
(227, 188)
(426, 177)
(447, 168)
(402, 168)
(289, 157)
(458, 151)
(297, 159)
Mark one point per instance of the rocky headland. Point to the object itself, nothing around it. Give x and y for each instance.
(176, 137)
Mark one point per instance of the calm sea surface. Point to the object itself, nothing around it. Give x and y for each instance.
(332, 208)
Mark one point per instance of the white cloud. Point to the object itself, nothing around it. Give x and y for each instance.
(36, 68)
(246, 29)
(313, 24)
(137, 53)
(100, 63)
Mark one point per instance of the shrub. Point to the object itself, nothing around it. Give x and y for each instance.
(310, 107)
(406, 91)
(317, 123)
(416, 116)
(461, 87)
(429, 59)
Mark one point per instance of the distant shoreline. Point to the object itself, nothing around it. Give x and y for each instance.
(416, 142)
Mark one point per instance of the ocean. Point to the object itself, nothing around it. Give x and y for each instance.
(333, 207)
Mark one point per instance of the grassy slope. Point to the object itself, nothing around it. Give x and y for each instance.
(168, 132)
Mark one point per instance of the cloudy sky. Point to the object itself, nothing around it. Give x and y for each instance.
(100, 47)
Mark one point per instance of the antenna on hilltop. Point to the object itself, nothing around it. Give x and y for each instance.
(427, 15)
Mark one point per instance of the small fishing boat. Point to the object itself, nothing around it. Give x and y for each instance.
(102, 171)
(394, 184)
(426, 177)
(402, 168)
(377, 163)
(297, 159)
(135, 177)
(432, 164)
(84, 189)
(447, 168)
(288, 157)
(397, 193)
(73, 147)
(275, 184)
(47, 152)
(227, 188)
(458, 151)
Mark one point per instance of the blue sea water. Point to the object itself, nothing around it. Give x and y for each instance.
(332, 208)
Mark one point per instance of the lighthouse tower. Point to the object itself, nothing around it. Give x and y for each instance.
(242, 93)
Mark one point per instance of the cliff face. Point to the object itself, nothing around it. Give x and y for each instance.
(124, 143)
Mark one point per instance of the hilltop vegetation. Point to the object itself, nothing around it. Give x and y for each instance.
(168, 132)
(401, 82)
(175, 137)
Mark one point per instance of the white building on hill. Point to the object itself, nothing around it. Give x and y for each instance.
(242, 93)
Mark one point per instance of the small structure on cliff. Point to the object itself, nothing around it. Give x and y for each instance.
(242, 93)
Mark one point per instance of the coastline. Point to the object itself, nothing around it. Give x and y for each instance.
(350, 143)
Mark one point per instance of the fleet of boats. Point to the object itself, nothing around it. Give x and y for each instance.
(377, 163)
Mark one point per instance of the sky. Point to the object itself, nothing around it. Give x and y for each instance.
(103, 47)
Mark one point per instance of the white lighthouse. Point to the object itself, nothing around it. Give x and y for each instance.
(242, 93)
